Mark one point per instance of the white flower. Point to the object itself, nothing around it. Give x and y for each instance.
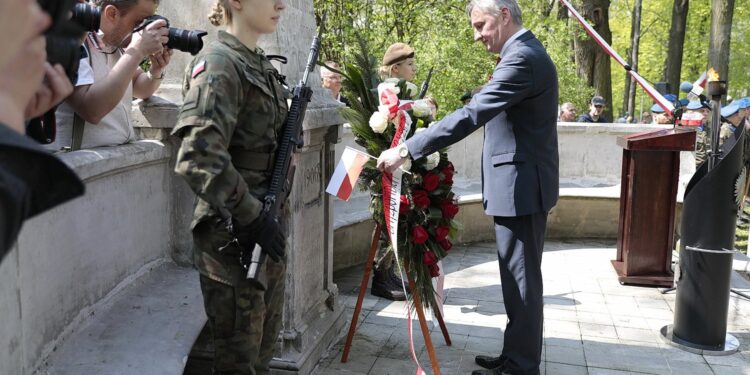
(406, 166)
(384, 108)
(432, 161)
(411, 89)
(388, 86)
(421, 108)
(379, 122)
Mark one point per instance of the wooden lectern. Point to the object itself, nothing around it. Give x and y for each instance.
(650, 174)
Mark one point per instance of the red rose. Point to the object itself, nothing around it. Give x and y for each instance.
(449, 168)
(429, 258)
(419, 235)
(430, 181)
(420, 198)
(446, 244)
(434, 270)
(448, 172)
(448, 180)
(449, 209)
(405, 205)
(441, 233)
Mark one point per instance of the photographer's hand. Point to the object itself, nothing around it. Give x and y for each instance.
(151, 40)
(23, 20)
(159, 61)
(19, 81)
(55, 89)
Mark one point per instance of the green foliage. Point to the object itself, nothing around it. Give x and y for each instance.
(440, 33)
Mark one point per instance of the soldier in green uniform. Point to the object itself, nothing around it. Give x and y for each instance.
(235, 104)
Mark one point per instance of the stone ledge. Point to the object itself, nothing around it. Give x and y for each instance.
(146, 325)
(103, 161)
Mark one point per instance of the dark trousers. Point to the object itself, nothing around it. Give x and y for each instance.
(520, 242)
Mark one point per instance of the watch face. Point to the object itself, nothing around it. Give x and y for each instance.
(403, 151)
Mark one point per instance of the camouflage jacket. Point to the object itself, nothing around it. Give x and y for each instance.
(234, 107)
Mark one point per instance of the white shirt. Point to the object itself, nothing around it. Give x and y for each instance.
(511, 39)
(85, 72)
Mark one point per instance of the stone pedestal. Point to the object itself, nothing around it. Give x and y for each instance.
(313, 317)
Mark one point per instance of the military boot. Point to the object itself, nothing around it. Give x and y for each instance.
(382, 286)
(396, 280)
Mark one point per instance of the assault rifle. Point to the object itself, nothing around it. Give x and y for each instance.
(426, 84)
(283, 170)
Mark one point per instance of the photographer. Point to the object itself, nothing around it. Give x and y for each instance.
(31, 180)
(110, 76)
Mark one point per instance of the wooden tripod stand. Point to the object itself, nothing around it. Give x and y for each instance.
(417, 302)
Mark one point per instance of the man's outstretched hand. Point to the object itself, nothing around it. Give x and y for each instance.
(390, 160)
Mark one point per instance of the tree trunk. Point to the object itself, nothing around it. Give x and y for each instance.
(673, 66)
(635, 37)
(592, 62)
(721, 32)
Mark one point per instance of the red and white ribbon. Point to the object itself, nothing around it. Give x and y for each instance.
(392, 200)
(650, 90)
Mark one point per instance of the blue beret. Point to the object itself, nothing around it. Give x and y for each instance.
(730, 109)
(684, 102)
(671, 97)
(657, 109)
(694, 105)
(744, 103)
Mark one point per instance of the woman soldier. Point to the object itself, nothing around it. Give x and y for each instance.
(230, 122)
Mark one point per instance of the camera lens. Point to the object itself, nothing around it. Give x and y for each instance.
(186, 40)
(87, 16)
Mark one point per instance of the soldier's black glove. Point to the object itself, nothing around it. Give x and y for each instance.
(266, 232)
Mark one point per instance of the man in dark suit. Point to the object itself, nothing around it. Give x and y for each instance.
(520, 173)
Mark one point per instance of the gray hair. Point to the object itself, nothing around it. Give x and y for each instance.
(494, 7)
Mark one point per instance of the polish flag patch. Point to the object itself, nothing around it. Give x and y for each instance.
(198, 69)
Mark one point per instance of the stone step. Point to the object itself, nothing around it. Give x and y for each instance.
(147, 328)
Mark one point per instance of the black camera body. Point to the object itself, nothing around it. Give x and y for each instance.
(70, 21)
(182, 40)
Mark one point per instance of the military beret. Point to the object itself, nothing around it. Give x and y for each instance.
(657, 109)
(397, 53)
(744, 103)
(694, 105)
(730, 110)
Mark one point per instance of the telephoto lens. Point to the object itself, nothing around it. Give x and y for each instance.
(182, 40)
(87, 16)
(186, 40)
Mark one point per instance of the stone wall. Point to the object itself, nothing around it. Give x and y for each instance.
(72, 257)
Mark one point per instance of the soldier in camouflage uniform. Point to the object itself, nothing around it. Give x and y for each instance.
(230, 122)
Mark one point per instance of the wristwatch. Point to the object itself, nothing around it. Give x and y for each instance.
(153, 78)
(403, 151)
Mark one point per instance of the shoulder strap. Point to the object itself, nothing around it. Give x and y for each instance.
(78, 122)
(78, 126)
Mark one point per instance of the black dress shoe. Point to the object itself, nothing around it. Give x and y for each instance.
(490, 362)
(495, 371)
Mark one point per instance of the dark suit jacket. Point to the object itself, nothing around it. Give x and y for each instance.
(31, 182)
(518, 107)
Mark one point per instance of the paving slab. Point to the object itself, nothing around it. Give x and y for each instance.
(593, 324)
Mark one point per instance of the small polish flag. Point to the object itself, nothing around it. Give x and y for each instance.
(347, 172)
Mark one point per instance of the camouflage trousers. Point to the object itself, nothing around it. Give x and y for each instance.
(245, 320)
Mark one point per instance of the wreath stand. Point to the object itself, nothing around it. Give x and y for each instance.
(417, 302)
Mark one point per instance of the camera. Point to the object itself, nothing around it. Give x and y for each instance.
(70, 20)
(89, 17)
(182, 40)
